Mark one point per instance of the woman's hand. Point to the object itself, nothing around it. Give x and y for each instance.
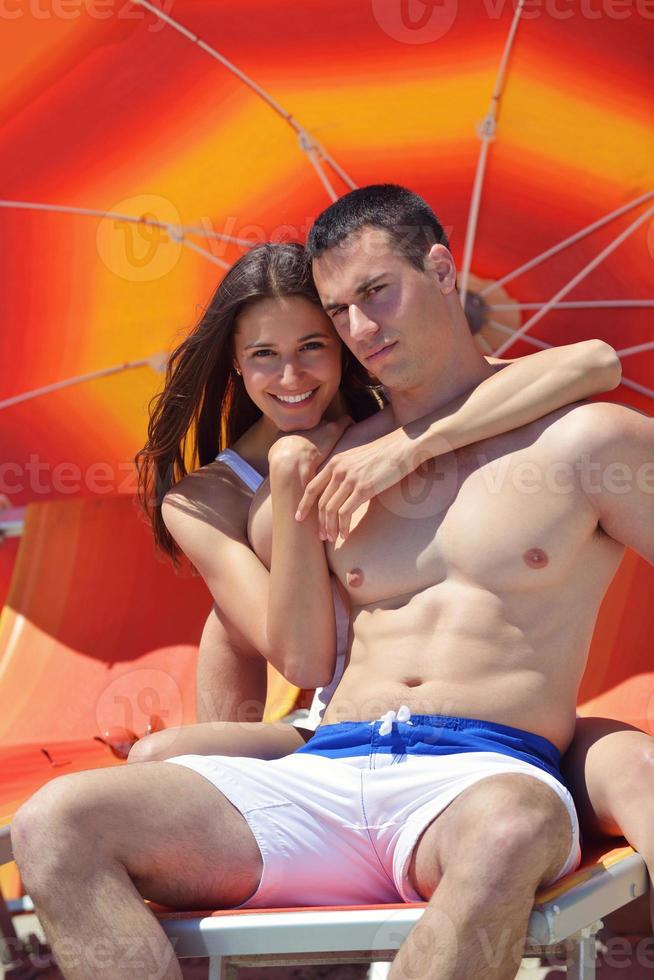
(351, 478)
(303, 452)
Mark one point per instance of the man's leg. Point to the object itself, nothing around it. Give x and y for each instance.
(610, 771)
(91, 845)
(231, 675)
(480, 863)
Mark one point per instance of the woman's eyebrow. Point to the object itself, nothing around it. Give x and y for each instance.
(361, 288)
(301, 340)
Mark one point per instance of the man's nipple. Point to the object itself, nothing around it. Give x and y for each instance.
(535, 558)
(354, 578)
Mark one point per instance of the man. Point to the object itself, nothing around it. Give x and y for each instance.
(500, 558)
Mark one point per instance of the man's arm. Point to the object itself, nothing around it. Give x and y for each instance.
(621, 487)
(520, 392)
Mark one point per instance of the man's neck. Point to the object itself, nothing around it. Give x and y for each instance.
(441, 388)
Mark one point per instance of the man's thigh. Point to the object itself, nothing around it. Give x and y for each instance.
(181, 841)
(495, 817)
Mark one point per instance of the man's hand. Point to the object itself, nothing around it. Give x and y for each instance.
(305, 451)
(354, 476)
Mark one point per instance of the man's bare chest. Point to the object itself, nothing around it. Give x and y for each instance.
(505, 523)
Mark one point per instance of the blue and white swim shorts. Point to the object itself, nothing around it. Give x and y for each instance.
(337, 821)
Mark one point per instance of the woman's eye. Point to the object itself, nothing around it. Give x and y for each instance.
(313, 345)
(262, 353)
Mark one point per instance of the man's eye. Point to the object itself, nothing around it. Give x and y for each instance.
(338, 311)
(375, 289)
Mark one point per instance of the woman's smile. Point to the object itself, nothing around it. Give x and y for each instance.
(293, 401)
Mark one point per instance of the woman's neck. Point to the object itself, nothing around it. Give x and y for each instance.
(255, 444)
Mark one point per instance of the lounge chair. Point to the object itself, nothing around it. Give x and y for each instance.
(564, 921)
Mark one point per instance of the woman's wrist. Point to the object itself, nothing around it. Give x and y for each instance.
(291, 458)
(289, 451)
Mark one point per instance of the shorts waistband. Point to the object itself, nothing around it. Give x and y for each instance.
(433, 735)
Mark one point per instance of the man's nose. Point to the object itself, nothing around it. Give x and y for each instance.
(361, 326)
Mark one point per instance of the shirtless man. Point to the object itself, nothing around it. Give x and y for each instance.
(499, 557)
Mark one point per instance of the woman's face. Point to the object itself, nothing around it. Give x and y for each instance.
(290, 358)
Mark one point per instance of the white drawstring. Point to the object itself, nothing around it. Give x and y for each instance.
(403, 714)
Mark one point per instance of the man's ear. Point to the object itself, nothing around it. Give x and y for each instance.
(439, 262)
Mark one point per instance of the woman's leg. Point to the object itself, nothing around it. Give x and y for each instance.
(257, 740)
(231, 691)
(231, 675)
(610, 771)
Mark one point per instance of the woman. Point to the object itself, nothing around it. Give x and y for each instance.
(265, 334)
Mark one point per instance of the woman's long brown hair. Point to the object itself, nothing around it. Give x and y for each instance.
(204, 405)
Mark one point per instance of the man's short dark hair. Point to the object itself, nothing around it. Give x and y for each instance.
(409, 222)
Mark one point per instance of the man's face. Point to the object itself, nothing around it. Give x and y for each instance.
(391, 315)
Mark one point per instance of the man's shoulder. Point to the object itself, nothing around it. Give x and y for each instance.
(592, 426)
(374, 427)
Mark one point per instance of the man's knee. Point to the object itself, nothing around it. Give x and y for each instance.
(47, 831)
(512, 823)
(519, 809)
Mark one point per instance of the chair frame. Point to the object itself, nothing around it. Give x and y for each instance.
(565, 926)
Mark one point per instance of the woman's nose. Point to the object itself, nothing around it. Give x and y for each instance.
(290, 373)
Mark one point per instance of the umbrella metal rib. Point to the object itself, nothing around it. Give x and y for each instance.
(543, 345)
(587, 269)
(156, 361)
(176, 232)
(590, 304)
(566, 242)
(306, 141)
(637, 349)
(314, 160)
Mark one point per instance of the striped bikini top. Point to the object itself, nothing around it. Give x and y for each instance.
(242, 468)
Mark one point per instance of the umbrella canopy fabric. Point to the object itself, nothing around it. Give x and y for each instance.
(111, 109)
(135, 165)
